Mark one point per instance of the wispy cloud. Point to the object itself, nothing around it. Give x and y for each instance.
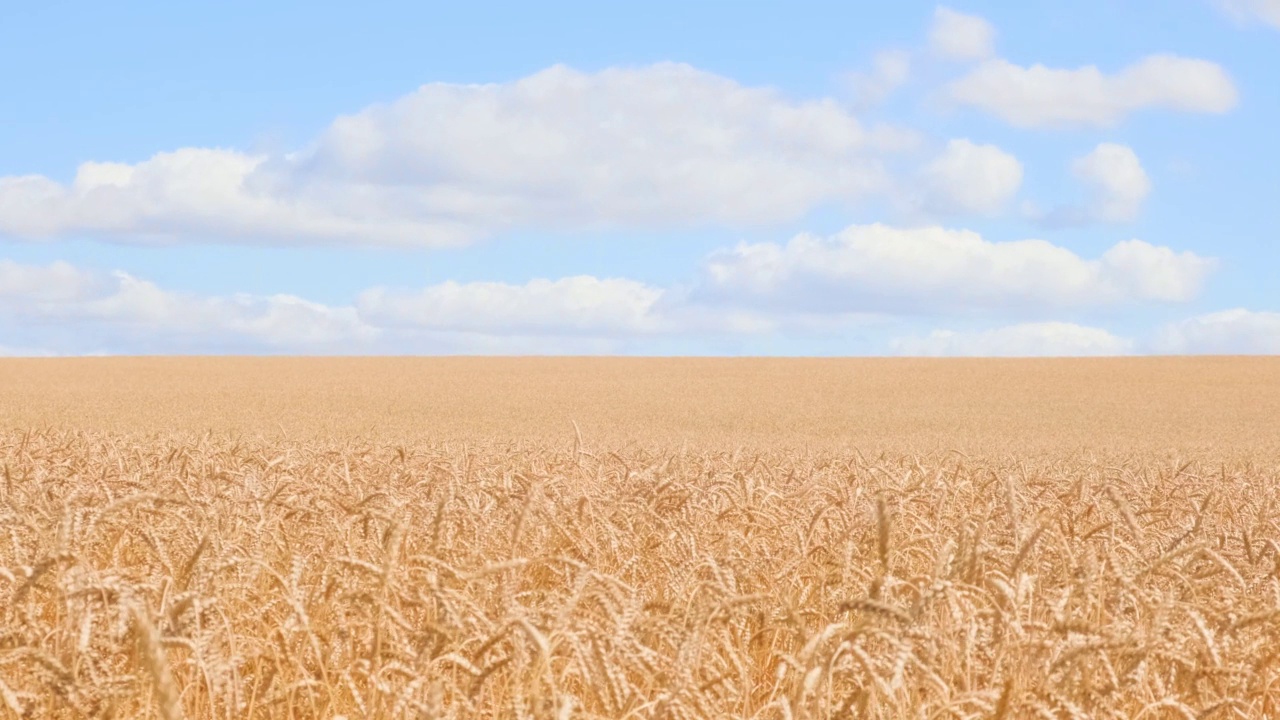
(1266, 11)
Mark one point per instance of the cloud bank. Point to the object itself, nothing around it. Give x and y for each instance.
(661, 146)
(806, 283)
(930, 270)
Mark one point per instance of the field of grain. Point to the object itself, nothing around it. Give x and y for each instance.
(579, 538)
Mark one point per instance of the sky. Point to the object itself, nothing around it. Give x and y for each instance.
(662, 178)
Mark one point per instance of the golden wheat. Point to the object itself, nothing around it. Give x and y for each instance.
(493, 574)
(1214, 406)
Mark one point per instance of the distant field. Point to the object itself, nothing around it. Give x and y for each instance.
(405, 538)
(1211, 404)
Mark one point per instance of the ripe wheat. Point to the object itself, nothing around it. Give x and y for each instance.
(210, 575)
(210, 578)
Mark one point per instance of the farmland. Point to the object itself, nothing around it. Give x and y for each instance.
(534, 537)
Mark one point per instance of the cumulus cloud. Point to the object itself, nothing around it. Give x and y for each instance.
(658, 146)
(1229, 332)
(1117, 180)
(931, 270)
(970, 178)
(1116, 183)
(1267, 11)
(1039, 96)
(957, 36)
(1044, 339)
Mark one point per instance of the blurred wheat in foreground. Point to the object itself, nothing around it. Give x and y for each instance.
(209, 578)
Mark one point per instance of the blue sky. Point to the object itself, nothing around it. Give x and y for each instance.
(804, 178)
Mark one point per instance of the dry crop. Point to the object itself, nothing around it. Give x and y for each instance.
(1210, 407)
(203, 575)
(213, 579)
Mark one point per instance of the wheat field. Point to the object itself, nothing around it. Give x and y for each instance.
(639, 538)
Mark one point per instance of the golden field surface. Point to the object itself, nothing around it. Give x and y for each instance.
(1013, 406)
(644, 538)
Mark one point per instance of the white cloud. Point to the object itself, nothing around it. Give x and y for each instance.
(576, 314)
(929, 271)
(933, 270)
(957, 36)
(658, 146)
(192, 195)
(1142, 271)
(572, 305)
(971, 178)
(1267, 11)
(1228, 332)
(1117, 180)
(890, 69)
(650, 145)
(131, 309)
(1039, 96)
(53, 283)
(1117, 186)
(21, 352)
(578, 305)
(1045, 339)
